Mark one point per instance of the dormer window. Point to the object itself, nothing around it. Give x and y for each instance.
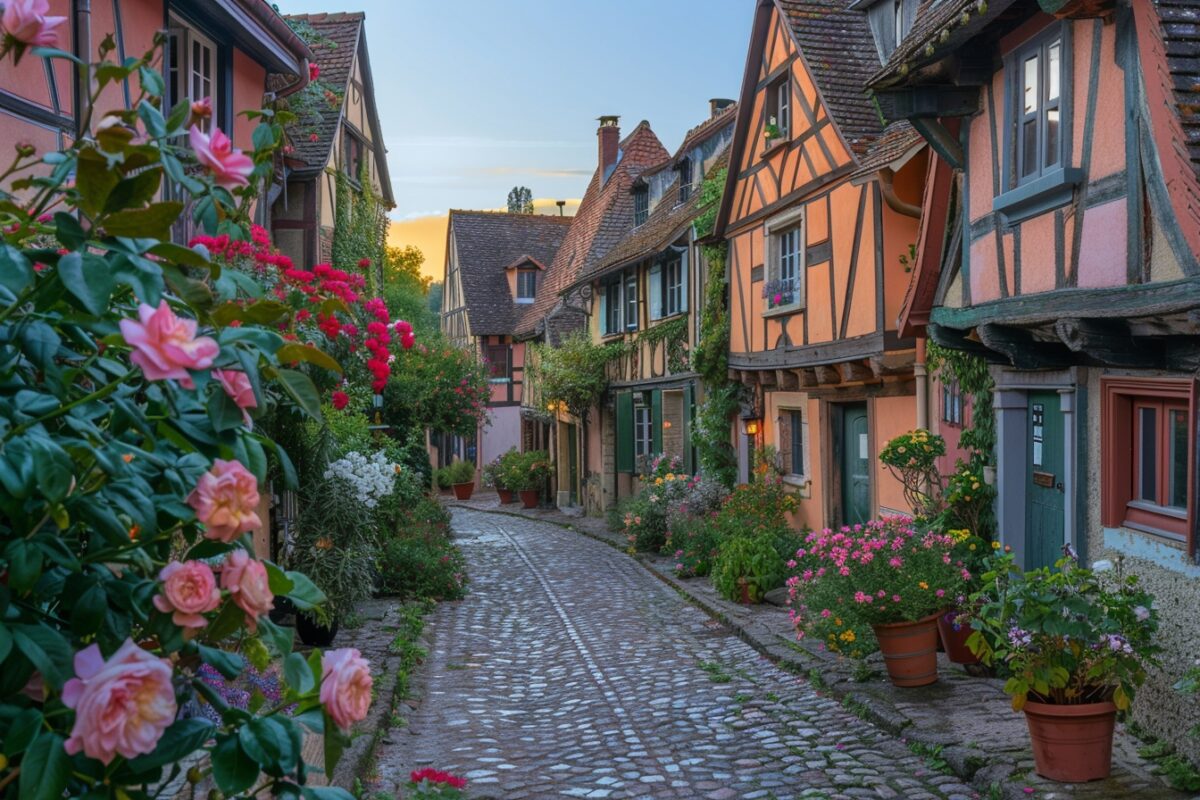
(526, 285)
(685, 180)
(641, 204)
(352, 155)
(890, 20)
(779, 110)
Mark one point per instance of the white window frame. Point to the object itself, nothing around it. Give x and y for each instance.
(182, 39)
(673, 287)
(783, 107)
(774, 230)
(629, 300)
(531, 275)
(643, 433)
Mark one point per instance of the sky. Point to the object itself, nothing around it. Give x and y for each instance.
(478, 96)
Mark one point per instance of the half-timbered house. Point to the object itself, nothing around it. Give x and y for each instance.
(1063, 246)
(339, 147)
(819, 207)
(647, 292)
(561, 306)
(495, 265)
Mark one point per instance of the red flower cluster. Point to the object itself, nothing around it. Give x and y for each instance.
(340, 400)
(258, 248)
(314, 71)
(437, 776)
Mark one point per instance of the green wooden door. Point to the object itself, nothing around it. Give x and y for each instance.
(1044, 490)
(573, 461)
(856, 466)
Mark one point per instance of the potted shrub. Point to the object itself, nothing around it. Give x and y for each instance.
(499, 474)
(1076, 644)
(954, 624)
(461, 477)
(884, 576)
(746, 568)
(527, 475)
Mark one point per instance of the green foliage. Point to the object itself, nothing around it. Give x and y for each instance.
(711, 359)
(460, 472)
(750, 562)
(360, 226)
(441, 477)
(912, 459)
(422, 564)
(521, 472)
(644, 516)
(406, 291)
(573, 373)
(336, 541)
(710, 201)
(674, 333)
(439, 387)
(694, 542)
(520, 200)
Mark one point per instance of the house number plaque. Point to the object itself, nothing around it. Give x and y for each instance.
(1043, 479)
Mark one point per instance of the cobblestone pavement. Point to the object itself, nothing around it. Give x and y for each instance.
(570, 672)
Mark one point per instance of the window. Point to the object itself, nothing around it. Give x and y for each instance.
(192, 69)
(612, 310)
(898, 21)
(685, 180)
(526, 285)
(796, 464)
(1036, 106)
(951, 403)
(1146, 440)
(498, 362)
(643, 438)
(641, 205)
(784, 261)
(631, 301)
(673, 287)
(352, 155)
(779, 108)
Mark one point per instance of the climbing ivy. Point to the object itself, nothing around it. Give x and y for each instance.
(674, 333)
(573, 374)
(711, 359)
(360, 226)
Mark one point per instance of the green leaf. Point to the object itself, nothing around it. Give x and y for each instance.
(45, 769)
(178, 254)
(24, 564)
(152, 222)
(16, 273)
(135, 192)
(335, 744)
(39, 342)
(156, 126)
(301, 352)
(325, 793)
(277, 635)
(301, 389)
(70, 233)
(151, 80)
(181, 739)
(88, 613)
(223, 413)
(194, 292)
(47, 650)
(233, 770)
(6, 641)
(263, 137)
(277, 580)
(89, 279)
(305, 593)
(298, 674)
(290, 479)
(94, 180)
(21, 732)
(228, 664)
(267, 742)
(262, 312)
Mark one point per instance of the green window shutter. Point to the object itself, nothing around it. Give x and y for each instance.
(624, 432)
(656, 421)
(689, 399)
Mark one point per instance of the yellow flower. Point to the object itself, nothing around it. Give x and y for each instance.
(658, 481)
(837, 621)
(972, 547)
(923, 585)
(670, 476)
(975, 486)
(995, 545)
(847, 636)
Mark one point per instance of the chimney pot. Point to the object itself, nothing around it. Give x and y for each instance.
(609, 136)
(719, 104)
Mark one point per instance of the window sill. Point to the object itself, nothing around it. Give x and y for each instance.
(774, 144)
(783, 311)
(1038, 196)
(666, 318)
(524, 301)
(499, 380)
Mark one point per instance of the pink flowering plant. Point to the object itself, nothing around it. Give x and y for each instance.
(132, 473)
(1067, 634)
(885, 571)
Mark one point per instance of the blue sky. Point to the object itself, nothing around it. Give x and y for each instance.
(477, 96)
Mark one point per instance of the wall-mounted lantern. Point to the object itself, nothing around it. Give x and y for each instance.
(752, 426)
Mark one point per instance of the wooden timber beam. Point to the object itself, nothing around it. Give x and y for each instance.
(766, 378)
(856, 371)
(892, 363)
(750, 378)
(786, 380)
(955, 339)
(1109, 342)
(808, 377)
(1022, 350)
(828, 374)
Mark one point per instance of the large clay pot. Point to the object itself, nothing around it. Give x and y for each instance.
(529, 498)
(462, 491)
(1072, 743)
(506, 495)
(313, 633)
(954, 642)
(910, 650)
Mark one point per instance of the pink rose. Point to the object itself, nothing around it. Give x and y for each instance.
(226, 501)
(345, 686)
(35, 688)
(246, 580)
(166, 346)
(26, 22)
(122, 705)
(230, 167)
(237, 385)
(189, 590)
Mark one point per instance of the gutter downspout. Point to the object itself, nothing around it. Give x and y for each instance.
(82, 48)
(886, 177)
(922, 378)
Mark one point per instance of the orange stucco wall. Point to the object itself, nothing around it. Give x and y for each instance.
(249, 84)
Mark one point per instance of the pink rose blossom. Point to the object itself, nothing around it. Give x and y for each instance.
(122, 705)
(226, 501)
(940, 593)
(26, 22)
(237, 385)
(345, 686)
(166, 346)
(246, 580)
(230, 167)
(189, 590)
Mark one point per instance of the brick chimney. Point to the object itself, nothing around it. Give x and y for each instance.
(609, 136)
(718, 104)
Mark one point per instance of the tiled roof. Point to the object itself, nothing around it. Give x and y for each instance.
(897, 140)
(486, 243)
(605, 214)
(698, 134)
(1180, 21)
(932, 18)
(838, 48)
(334, 54)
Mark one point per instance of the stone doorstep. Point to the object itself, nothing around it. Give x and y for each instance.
(968, 719)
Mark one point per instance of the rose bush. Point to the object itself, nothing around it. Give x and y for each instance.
(128, 366)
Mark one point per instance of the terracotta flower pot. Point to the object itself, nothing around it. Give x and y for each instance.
(462, 491)
(954, 642)
(529, 498)
(1072, 743)
(910, 650)
(506, 495)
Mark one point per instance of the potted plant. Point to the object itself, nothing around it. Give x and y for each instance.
(746, 568)
(496, 473)
(441, 477)
(461, 477)
(954, 623)
(885, 576)
(1077, 644)
(527, 474)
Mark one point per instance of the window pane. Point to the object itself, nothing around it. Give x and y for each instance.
(1178, 442)
(797, 443)
(1053, 70)
(1031, 85)
(1051, 136)
(1029, 154)
(1147, 488)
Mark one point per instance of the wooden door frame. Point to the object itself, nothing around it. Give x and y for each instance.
(832, 421)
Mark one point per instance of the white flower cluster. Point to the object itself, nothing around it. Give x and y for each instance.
(371, 477)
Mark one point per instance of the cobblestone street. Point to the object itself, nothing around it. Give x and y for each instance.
(569, 671)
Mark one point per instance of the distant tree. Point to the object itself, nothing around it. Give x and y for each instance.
(406, 290)
(435, 297)
(520, 200)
